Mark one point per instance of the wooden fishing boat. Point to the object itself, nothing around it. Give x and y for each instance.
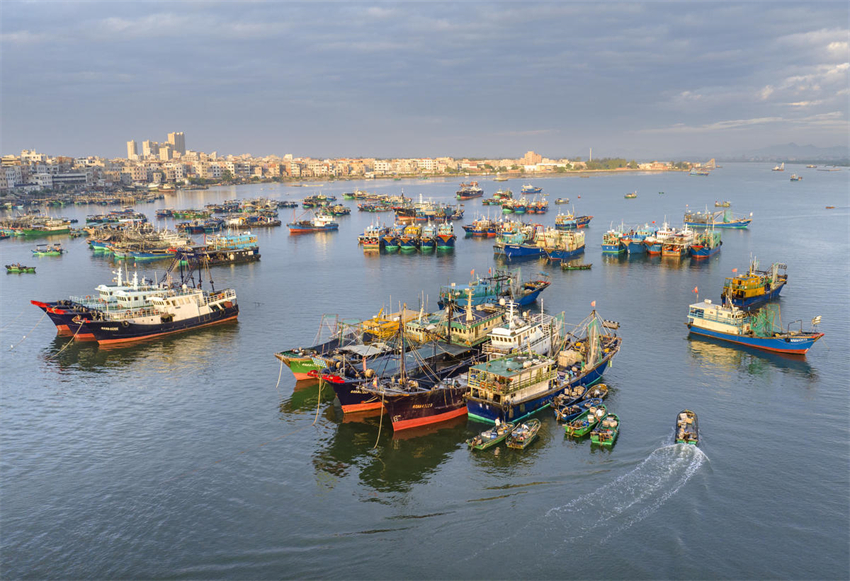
(582, 425)
(562, 201)
(723, 204)
(522, 435)
(571, 395)
(687, 428)
(48, 250)
(630, 195)
(565, 266)
(606, 431)
(570, 412)
(491, 437)
(19, 268)
(600, 391)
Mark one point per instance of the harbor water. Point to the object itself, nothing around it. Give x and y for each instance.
(196, 456)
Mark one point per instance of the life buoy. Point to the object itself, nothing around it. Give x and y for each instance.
(125, 324)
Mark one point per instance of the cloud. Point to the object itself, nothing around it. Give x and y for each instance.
(766, 92)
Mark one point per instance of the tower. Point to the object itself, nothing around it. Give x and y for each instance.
(177, 141)
(132, 150)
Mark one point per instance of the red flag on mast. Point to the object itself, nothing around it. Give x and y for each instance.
(696, 289)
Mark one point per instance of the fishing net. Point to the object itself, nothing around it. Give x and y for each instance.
(767, 321)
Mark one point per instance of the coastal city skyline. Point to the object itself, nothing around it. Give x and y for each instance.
(399, 80)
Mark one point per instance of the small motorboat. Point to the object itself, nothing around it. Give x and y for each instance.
(19, 268)
(570, 396)
(491, 437)
(562, 201)
(631, 196)
(598, 391)
(582, 425)
(723, 204)
(606, 431)
(565, 266)
(687, 428)
(522, 435)
(572, 411)
(48, 250)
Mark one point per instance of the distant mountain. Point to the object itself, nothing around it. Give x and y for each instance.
(794, 152)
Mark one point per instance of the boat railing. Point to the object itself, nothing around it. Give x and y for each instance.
(512, 387)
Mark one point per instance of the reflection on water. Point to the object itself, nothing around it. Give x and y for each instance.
(719, 354)
(305, 395)
(177, 351)
(399, 461)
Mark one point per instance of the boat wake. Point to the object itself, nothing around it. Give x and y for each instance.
(633, 496)
(619, 504)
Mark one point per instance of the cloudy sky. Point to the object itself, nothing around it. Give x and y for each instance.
(476, 79)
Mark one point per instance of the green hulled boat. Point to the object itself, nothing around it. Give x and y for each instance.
(491, 437)
(582, 425)
(606, 431)
(566, 266)
(19, 269)
(48, 250)
(523, 435)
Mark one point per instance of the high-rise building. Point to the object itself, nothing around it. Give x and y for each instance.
(150, 148)
(177, 141)
(165, 153)
(132, 150)
(531, 158)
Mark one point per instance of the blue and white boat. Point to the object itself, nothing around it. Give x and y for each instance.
(563, 245)
(719, 219)
(529, 189)
(514, 387)
(612, 242)
(756, 329)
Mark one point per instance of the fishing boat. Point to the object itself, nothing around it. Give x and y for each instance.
(585, 422)
(795, 177)
(123, 296)
(428, 239)
(677, 245)
(756, 329)
(569, 396)
(560, 201)
(522, 436)
(600, 391)
(655, 242)
(529, 189)
(612, 242)
(514, 387)
(567, 266)
(630, 195)
(500, 179)
(391, 238)
(570, 221)
(563, 244)
(755, 286)
(446, 236)
(723, 204)
(482, 227)
(687, 428)
(426, 384)
(705, 245)
(490, 437)
(811, 166)
(698, 172)
(319, 223)
(499, 284)
(523, 244)
(780, 167)
(48, 250)
(527, 333)
(18, 268)
(409, 239)
(606, 431)
(634, 239)
(469, 191)
(339, 210)
(719, 219)
(568, 412)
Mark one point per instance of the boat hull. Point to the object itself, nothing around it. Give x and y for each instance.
(114, 332)
(485, 411)
(426, 408)
(793, 345)
(734, 224)
(564, 254)
(750, 302)
(522, 251)
(700, 251)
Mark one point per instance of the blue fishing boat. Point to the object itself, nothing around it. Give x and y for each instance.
(501, 284)
(446, 236)
(563, 245)
(514, 387)
(428, 240)
(529, 189)
(754, 329)
(705, 245)
(612, 242)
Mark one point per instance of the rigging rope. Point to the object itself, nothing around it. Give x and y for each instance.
(380, 422)
(279, 373)
(13, 320)
(319, 402)
(27, 335)
(74, 336)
